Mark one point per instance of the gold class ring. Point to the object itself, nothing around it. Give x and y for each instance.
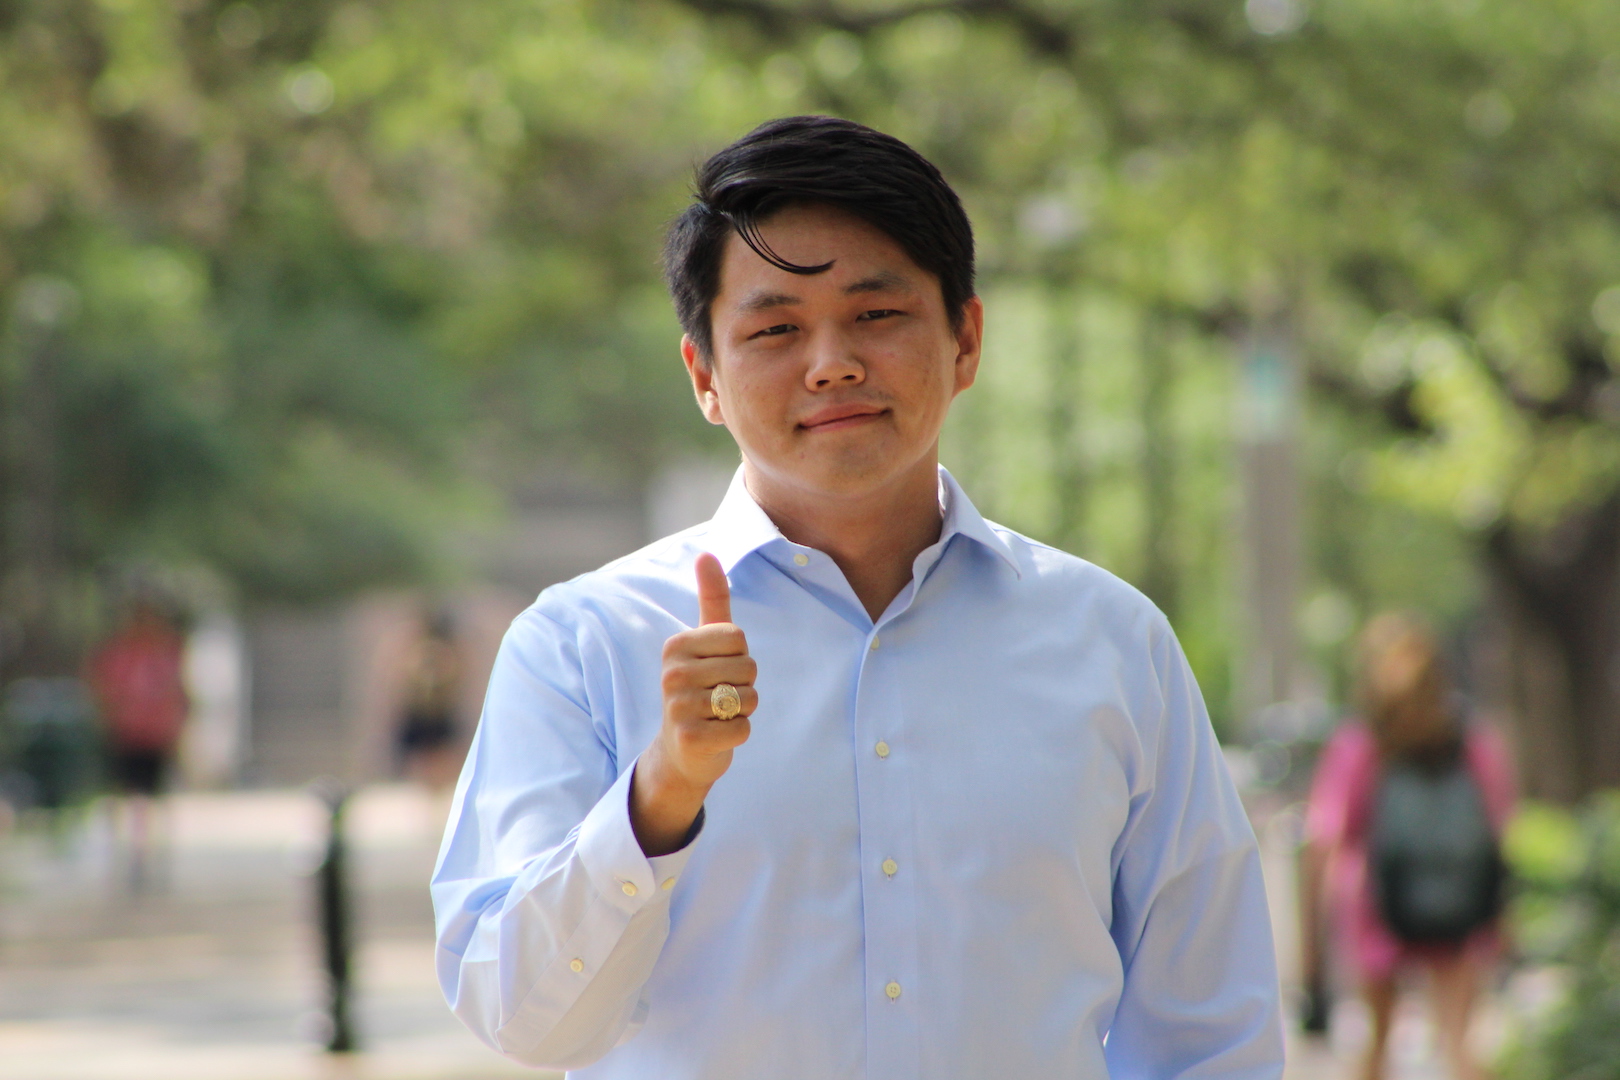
(724, 701)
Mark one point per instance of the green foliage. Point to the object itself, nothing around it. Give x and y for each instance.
(287, 286)
(1568, 914)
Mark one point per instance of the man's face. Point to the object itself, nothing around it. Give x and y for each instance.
(837, 383)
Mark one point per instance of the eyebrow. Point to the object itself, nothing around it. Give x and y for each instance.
(881, 281)
(766, 301)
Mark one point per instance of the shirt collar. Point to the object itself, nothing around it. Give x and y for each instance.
(739, 527)
(962, 518)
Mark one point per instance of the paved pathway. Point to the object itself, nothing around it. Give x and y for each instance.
(212, 975)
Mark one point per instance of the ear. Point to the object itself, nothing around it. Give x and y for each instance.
(701, 372)
(969, 343)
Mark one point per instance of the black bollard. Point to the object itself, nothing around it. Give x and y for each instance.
(337, 936)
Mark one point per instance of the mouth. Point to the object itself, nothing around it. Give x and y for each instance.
(841, 416)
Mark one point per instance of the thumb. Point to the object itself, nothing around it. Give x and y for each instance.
(714, 594)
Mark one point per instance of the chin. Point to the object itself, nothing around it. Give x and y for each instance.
(856, 474)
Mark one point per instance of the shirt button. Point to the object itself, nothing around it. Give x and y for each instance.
(669, 883)
(874, 641)
(882, 749)
(801, 559)
(890, 867)
(576, 965)
(893, 990)
(629, 888)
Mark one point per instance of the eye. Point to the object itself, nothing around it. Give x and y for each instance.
(877, 313)
(773, 331)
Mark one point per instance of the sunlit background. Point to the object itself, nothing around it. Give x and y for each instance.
(335, 330)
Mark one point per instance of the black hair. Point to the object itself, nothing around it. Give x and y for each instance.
(814, 159)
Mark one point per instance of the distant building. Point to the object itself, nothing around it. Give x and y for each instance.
(327, 687)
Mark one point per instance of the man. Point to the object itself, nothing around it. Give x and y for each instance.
(972, 823)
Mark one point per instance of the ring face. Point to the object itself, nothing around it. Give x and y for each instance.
(724, 701)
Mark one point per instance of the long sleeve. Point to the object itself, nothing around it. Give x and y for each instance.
(1200, 995)
(549, 916)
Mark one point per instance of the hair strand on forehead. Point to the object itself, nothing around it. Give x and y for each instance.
(747, 226)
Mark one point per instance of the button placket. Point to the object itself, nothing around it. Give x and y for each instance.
(887, 835)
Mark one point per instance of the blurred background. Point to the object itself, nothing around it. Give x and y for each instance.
(331, 332)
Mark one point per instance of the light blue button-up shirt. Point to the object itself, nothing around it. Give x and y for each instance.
(990, 835)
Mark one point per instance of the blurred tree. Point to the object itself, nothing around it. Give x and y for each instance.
(282, 283)
(278, 278)
(1566, 914)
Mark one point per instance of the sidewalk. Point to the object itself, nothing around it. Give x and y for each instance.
(212, 974)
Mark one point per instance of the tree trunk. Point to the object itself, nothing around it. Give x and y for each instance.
(1556, 672)
(1160, 580)
(1063, 417)
(35, 604)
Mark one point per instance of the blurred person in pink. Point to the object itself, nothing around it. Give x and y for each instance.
(138, 679)
(1402, 842)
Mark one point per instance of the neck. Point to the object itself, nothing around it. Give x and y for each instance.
(873, 537)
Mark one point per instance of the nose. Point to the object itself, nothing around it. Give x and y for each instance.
(833, 363)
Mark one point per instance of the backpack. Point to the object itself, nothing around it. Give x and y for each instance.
(1436, 866)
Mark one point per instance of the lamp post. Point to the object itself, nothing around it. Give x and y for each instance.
(333, 906)
(1268, 414)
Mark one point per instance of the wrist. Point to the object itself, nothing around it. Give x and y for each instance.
(663, 804)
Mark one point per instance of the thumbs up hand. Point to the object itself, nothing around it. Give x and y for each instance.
(693, 747)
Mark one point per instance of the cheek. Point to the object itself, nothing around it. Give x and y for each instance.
(751, 394)
(924, 375)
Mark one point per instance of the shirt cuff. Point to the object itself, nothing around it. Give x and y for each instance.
(614, 860)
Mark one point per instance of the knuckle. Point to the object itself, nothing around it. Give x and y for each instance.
(722, 638)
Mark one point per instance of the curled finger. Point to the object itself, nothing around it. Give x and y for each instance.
(699, 703)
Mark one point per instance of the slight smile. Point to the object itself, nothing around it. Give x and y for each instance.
(841, 416)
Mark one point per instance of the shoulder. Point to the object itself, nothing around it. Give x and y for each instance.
(1099, 628)
(1491, 763)
(1352, 738)
(1483, 741)
(1350, 749)
(655, 582)
(1083, 592)
(1349, 760)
